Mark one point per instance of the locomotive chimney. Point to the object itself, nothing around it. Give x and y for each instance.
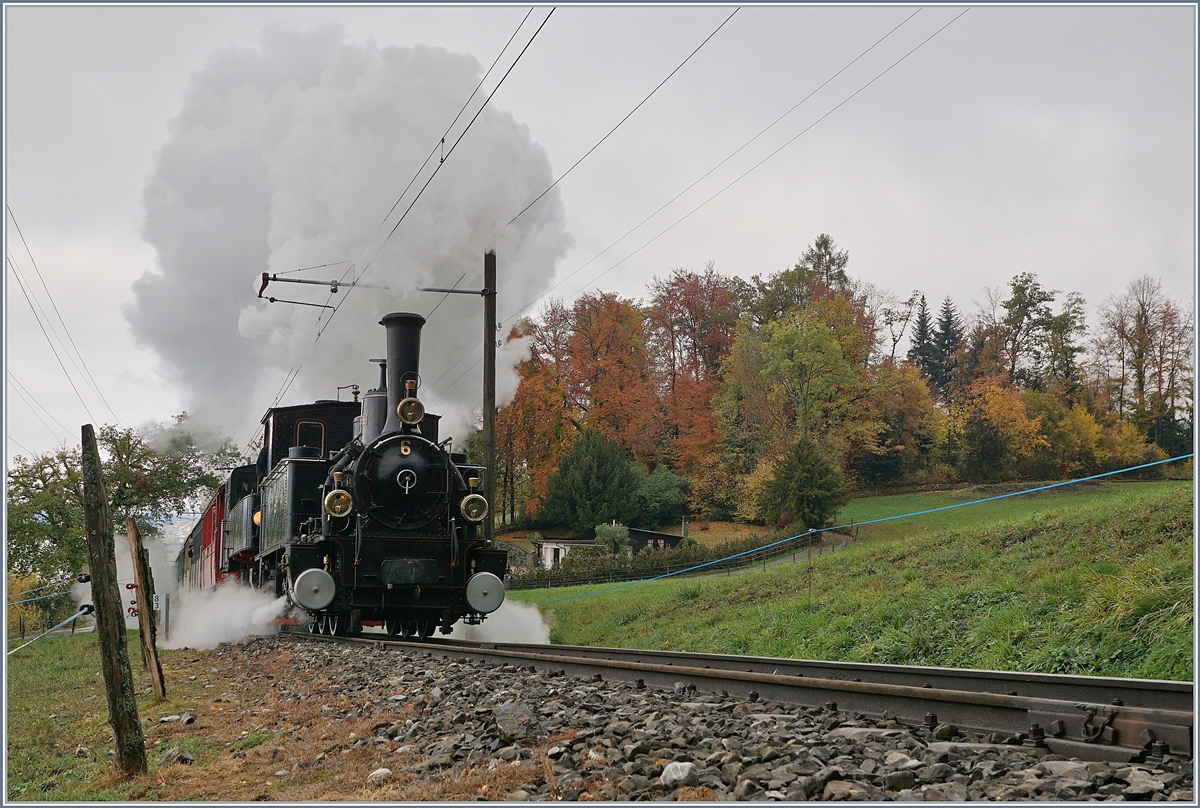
(403, 360)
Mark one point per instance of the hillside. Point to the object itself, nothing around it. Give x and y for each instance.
(1101, 587)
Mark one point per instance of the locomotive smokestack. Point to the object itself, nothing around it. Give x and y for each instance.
(403, 360)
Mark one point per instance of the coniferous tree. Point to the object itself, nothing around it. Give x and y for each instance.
(947, 342)
(921, 352)
(806, 488)
(594, 484)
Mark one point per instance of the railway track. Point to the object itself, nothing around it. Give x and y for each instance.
(1090, 718)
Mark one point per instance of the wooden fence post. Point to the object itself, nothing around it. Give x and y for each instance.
(110, 617)
(143, 577)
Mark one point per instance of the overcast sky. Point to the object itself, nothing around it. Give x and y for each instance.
(159, 159)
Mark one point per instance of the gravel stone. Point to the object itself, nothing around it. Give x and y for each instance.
(610, 740)
(678, 774)
(176, 754)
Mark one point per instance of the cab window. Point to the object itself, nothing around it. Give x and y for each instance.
(311, 433)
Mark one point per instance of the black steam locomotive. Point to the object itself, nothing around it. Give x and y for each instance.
(357, 513)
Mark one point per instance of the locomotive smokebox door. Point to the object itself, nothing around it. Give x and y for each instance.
(485, 592)
(313, 589)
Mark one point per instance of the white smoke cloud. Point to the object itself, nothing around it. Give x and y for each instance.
(289, 156)
(205, 618)
(512, 622)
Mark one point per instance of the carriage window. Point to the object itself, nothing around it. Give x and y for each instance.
(311, 433)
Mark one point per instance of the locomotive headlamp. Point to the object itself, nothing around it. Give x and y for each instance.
(338, 503)
(258, 518)
(474, 507)
(410, 411)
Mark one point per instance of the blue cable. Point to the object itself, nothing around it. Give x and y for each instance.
(40, 597)
(53, 595)
(867, 522)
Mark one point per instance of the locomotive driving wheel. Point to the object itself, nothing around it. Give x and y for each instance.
(424, 629)
(336, 624)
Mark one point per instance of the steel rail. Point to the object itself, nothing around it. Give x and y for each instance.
(1071, 723)
(1101, 689)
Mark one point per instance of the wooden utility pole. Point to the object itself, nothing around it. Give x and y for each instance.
(110, 619)
(488, 292)
(489, 392)
(143, 577)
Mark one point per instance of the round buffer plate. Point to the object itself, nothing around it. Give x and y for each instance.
(485, 592)
(314, 589)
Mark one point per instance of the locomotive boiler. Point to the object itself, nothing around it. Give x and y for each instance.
(357, 512)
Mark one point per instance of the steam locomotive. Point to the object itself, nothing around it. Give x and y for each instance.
(356, 513)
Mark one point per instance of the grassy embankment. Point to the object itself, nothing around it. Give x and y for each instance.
(1094, 580)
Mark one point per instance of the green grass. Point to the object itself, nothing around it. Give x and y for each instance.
(56, 704)
(1095, 581)
(981, 515)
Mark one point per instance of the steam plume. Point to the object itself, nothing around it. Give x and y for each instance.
(512, 622)
(290, 155)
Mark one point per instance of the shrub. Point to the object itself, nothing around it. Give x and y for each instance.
(615, 538)
(662, 498)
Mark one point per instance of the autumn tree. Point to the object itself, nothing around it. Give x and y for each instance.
(821, 269)
(814, 363)
(691, 324)
(908, 429)
(544, 417)
(610, 380)
(991, 431)
(896, 316)
(1026, 314)
(1143, 353)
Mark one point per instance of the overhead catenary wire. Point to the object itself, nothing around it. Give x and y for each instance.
(530, 303)
(628, 115)
(315, 266)
(442, 142)
(19, 446)
(42, 317)
(440, 145)
(94, 385)
(22, 395)
(706, 174)
(33, 398)
(787, 143)
(443, 300)
(283, 388)
(288, 382)
(47, 336)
